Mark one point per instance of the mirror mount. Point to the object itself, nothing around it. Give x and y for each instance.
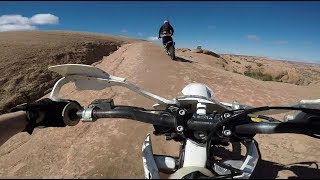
(57, 87)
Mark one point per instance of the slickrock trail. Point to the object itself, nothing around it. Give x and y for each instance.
(111, 148)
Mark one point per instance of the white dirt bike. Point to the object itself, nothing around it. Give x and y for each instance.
(203, 126)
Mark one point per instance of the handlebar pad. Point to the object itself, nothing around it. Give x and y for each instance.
(200, 124)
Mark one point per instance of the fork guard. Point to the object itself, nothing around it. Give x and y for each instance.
(152, 163)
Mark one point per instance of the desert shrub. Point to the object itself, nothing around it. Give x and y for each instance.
(258, 75)
(197, 51)
(248, 67)
(279, 76)
(211, 53)
(259, 64)
(235, 71)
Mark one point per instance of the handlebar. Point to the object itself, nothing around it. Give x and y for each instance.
(310, 126)
(307, 128)
(283, 127)
(166, 120)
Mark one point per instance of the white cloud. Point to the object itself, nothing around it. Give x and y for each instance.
(13, 19)
(253, 37)
(280, 42)
(152, 38)
(16, 27)
(44, 19)
(140, 33)
(124, 31)
(16, 22)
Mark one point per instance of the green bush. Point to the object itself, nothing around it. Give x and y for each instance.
(235, 71)
(258, 75)
(259, 64)
(248, 67)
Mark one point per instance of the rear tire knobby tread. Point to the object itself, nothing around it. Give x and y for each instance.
(171, 52)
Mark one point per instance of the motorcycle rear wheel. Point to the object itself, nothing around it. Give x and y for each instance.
(172, 52)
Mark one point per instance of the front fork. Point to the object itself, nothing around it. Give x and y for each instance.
(192, 154)
(149, 165)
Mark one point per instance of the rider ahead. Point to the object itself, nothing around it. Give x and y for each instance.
(165, 32)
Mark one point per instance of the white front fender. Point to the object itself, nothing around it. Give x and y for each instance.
(149, 165)
(152, 164)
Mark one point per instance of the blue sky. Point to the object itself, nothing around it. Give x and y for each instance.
(289, 30)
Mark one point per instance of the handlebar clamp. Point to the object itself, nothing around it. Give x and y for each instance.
(103, 104)
(87, 115)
